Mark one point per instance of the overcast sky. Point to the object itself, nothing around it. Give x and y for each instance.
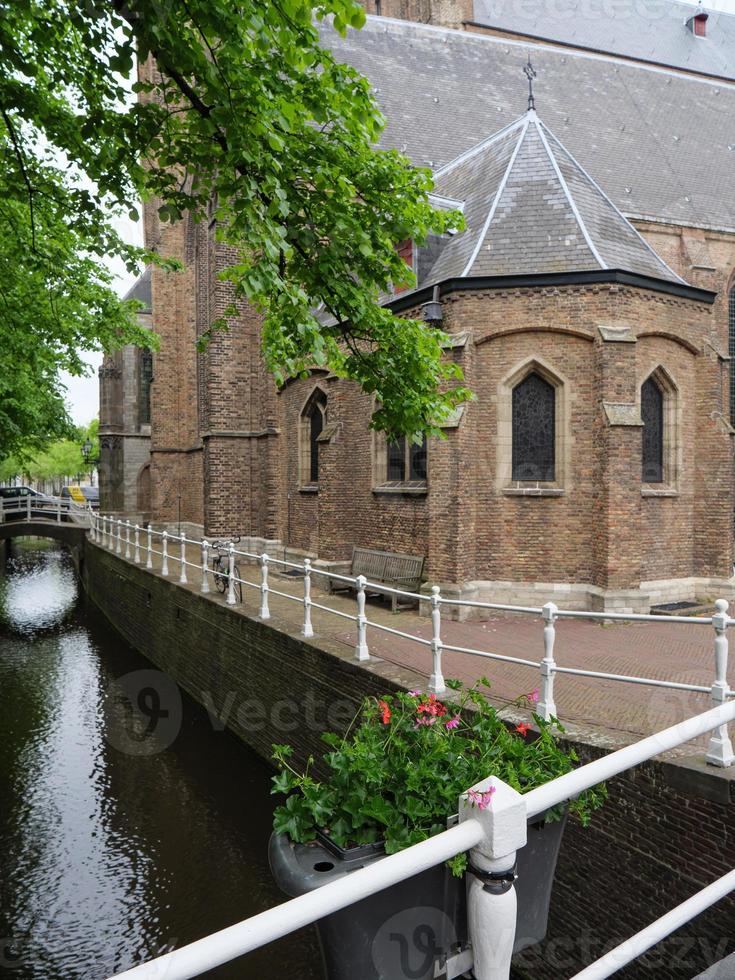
(83, 393)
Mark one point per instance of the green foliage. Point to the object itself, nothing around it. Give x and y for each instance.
(250, 111)
(399, 775)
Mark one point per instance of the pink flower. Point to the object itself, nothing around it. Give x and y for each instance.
(534, 695)
(452, 723)
(414, 694)
(480, 800)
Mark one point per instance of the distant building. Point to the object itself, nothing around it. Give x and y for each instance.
(590, 302)
(125, 419)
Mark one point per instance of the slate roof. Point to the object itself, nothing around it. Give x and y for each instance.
(531, 209)
(653, 31)
(141, 290)
(662, 144)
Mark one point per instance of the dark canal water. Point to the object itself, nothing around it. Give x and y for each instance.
(116, 845)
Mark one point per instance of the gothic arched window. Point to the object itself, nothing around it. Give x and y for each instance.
(312, 424)
(731, 334)
(534, 430)
(652, 413)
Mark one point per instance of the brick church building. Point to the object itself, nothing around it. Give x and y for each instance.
(589, 301)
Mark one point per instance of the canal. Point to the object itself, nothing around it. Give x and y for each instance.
(124, 831)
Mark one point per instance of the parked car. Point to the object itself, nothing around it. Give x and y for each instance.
(14, 500)
(82, 495)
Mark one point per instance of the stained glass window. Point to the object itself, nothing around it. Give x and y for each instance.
(731, 325)
(406, 460)
(652, 413)
(534, 430)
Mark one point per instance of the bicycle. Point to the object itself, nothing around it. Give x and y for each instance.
(221, 566)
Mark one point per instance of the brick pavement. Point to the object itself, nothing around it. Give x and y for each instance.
(607, 713)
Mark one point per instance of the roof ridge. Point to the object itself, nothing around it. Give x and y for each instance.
(612, 204)
(498, 195)
(477, 147)
(565, 187)
(555, 47)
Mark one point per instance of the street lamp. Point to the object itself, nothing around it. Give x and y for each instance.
(87, 452)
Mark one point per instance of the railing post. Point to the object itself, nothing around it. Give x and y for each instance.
(28, 507)
(103, 539)
(182, 556)
(127, 539)
(491, 896)
(361, 647)
(164, 556)
(205, 566)
(136, 550)
(546, 707)
(719, 750)
(265, 612)
(231, 576)
(118, 545)
(307, 630)
(436, 681)
(149, 547)
(58, 511)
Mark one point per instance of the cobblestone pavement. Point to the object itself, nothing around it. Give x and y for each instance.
(606, 712)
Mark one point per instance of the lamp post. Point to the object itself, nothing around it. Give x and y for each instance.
(87, 452)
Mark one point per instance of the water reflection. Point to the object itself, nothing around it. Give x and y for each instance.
(109, 857)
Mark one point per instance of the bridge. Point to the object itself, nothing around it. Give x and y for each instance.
(62, 520)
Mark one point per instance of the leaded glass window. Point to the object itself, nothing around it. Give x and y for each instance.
(406, 460)
(731, 331)
(534, 430)
(652, 413)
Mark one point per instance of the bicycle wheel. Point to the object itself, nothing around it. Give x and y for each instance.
(220, 578)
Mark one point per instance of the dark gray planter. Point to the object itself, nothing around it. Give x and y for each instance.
(400, 932)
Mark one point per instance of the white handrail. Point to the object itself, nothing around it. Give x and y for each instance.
(571, 784)
(637, 945)
(720, 751)
(508, 811)
(230, 943)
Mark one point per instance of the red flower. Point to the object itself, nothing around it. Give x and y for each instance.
(386, 712)
(522, 728)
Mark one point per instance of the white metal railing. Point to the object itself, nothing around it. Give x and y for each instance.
(108, 530)
(493, 836)
(35, 508)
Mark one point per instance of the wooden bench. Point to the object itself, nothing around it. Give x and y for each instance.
(385, 568)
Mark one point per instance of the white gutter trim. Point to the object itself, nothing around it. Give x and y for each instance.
(583, 227)
(487, 141)
(498, 195)
(614, 206)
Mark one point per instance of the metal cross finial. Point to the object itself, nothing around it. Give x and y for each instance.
(530, 73)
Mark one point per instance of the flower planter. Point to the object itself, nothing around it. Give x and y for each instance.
(400, 932)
